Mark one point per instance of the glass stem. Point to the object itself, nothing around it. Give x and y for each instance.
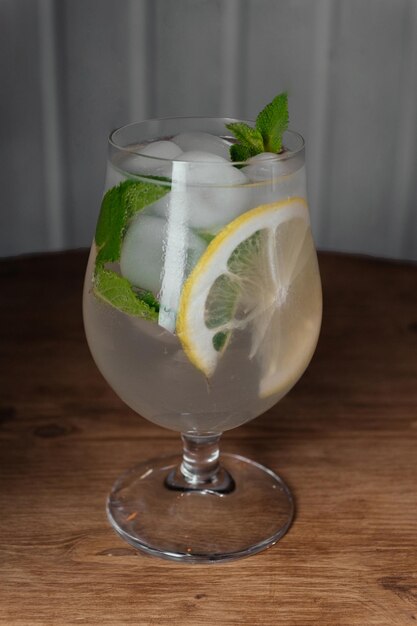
(200, 469)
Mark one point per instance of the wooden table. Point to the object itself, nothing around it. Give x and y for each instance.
(344, 439)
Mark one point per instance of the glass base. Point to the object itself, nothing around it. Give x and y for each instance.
(200, 526)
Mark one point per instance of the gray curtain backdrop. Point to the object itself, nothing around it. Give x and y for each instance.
(73, 70)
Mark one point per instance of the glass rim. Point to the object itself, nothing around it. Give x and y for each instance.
(284, 156)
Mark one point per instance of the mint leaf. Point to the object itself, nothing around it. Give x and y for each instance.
(219, 340)
(117, 291)
(272, 121)
(148, 298)
(119, 205)
(247, 136)
(240, 153)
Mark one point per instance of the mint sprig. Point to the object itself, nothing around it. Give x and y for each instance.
(270, 125)
(118, 207)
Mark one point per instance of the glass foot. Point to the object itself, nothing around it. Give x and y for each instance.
(200, 526)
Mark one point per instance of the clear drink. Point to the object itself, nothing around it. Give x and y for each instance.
(146, 364)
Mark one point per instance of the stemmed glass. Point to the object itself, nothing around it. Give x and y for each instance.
(202, 308)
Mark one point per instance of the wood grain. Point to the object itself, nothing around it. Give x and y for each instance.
(344, 439)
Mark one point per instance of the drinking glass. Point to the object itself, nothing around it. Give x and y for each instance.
(202, 308)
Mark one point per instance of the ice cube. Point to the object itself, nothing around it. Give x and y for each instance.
(211, 169)
(159, 153)
(213, 192)
(280, 188)
(158, 208)
(202, 141)
(265, 166)
(161, 149)
(142, 254)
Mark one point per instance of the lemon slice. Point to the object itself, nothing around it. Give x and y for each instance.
(258, 275)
